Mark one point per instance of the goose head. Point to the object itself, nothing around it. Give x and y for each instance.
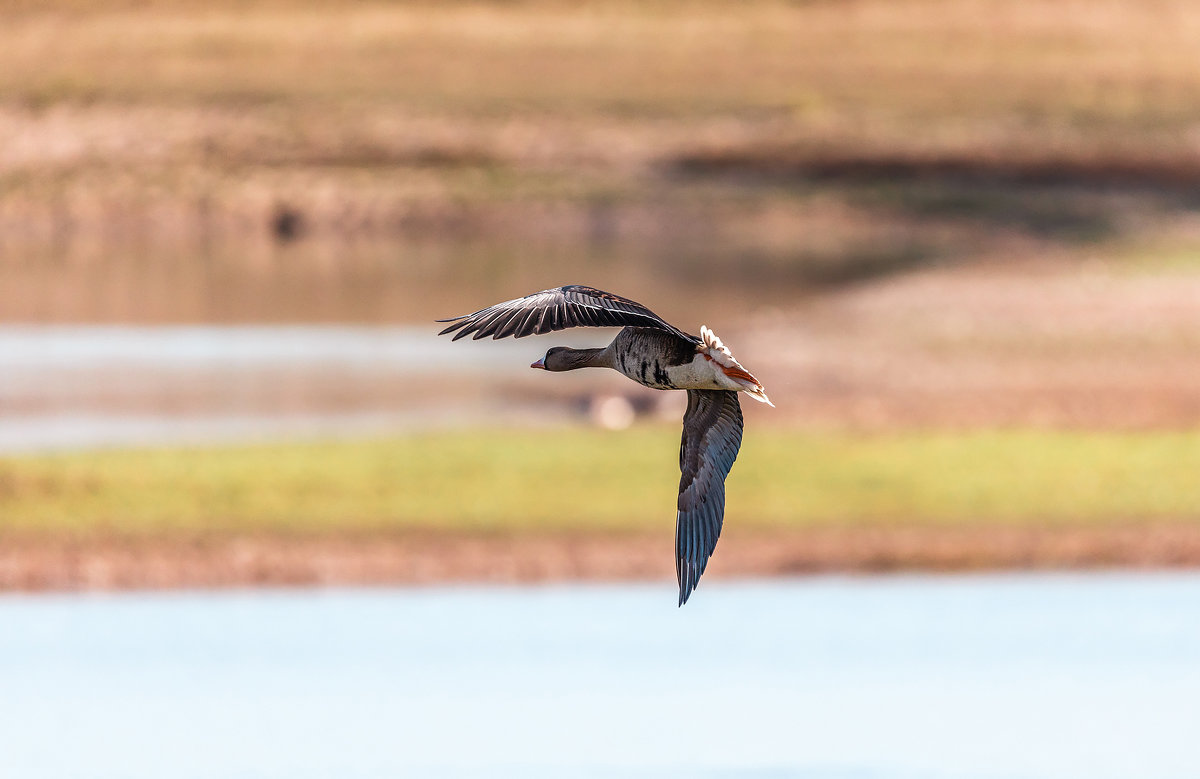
(564, 358)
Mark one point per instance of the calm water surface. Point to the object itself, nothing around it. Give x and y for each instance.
(996, 676)
(73, 387)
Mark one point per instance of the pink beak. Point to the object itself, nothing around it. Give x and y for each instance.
(539, 364)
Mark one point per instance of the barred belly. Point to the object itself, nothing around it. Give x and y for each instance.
(652, 357)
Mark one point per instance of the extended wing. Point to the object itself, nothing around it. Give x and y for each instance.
(712, 435)
(557, 309)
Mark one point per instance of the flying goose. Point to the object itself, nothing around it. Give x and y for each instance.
(659, 355)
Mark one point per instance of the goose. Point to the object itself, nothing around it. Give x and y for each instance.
(658, 355)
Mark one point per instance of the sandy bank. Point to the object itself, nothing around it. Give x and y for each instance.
(41, 564)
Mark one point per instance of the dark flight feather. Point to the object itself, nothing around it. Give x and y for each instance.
(712, 435)
(550, 310)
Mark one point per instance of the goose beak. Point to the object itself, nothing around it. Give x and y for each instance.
(539, 364)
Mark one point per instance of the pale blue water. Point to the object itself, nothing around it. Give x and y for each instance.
(379, 349)
(983, 676)
(74, 387)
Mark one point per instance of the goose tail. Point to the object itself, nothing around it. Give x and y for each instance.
(719, 353)
(759, 394)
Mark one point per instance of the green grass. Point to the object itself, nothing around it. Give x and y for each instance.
(589, 480)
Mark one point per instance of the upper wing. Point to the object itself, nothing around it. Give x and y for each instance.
(712, 434)
(557, 309)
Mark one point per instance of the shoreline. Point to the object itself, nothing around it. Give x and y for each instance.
(62, 564)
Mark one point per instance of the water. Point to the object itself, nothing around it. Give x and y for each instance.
(71, 387)
(30, 348)
(983, 676)
(165, 343)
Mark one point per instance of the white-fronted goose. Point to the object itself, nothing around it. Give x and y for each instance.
(658, 355)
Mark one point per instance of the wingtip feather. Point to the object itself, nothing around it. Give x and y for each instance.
(687, 587)
(761, 396)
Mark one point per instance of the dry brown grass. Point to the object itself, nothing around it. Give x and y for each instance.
(614, 85)
(787, 145)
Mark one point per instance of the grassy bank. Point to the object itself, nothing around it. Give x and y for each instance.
(960, 71)
(595, 481)
(378, 116)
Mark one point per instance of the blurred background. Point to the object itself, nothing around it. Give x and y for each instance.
(958, 240)
(952, 237)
